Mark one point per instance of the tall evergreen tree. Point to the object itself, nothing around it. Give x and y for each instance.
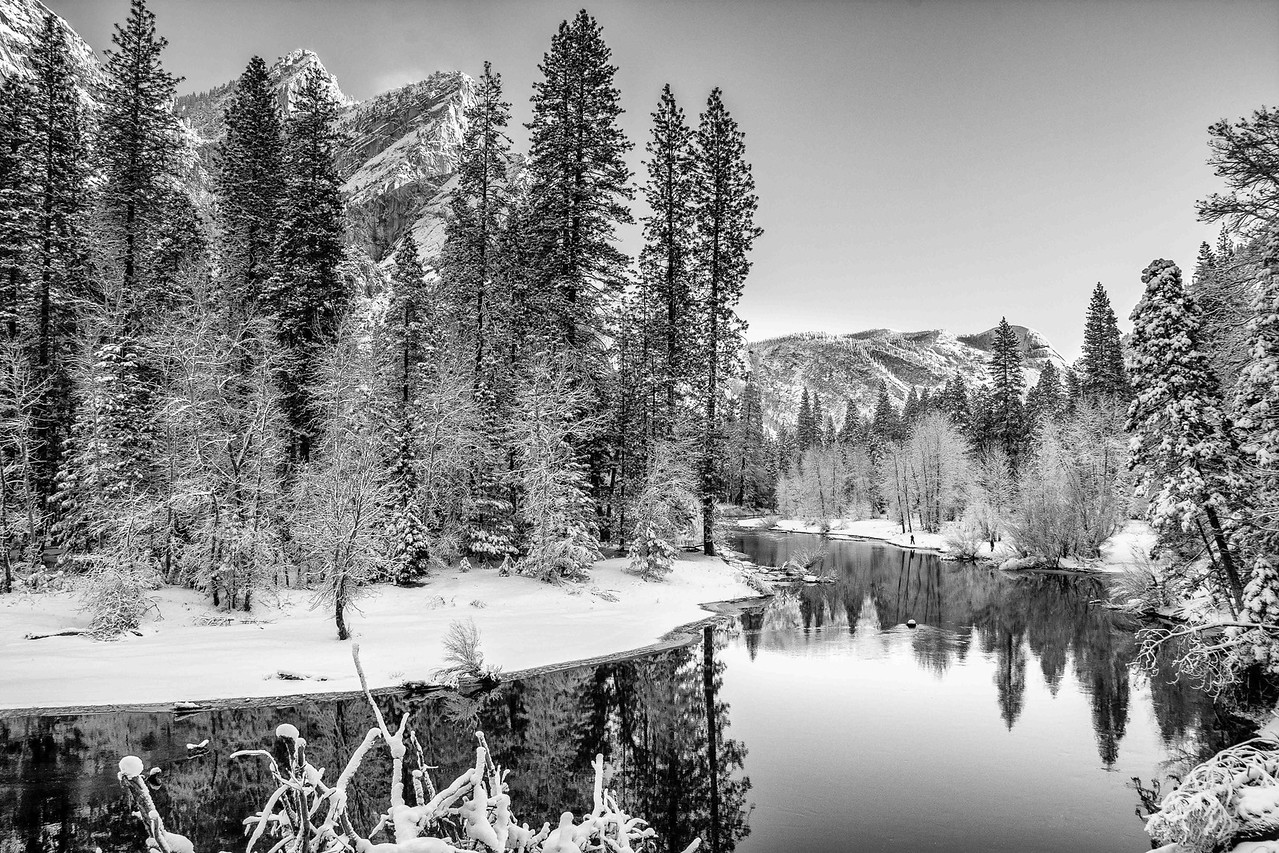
(665, 261)
(57, 264)
(579, 182)
(804, 423)
(138, 144)
(886, 423)
(911, 410)
(850, 432)
(819, 421)
(477, 209)
(1008, 382)
(1047, 399)
(1180, 440)
(1102, 364)
(250, 188)
(307, 292)
(955, 400)
(411, 336)
(1256, 408)
(16, 202)
(724, 225)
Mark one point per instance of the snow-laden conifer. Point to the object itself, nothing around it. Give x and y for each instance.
(1180, 444)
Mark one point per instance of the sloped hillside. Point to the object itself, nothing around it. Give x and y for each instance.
(849, 368)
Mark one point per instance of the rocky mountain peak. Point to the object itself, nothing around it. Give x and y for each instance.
(291, 70)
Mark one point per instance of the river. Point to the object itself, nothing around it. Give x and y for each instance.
(1009, 719)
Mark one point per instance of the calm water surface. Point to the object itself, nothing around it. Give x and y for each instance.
(1009, 720)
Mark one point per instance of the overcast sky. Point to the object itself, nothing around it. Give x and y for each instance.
(919, 164)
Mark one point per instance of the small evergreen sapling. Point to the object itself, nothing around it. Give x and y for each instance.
(664, 510)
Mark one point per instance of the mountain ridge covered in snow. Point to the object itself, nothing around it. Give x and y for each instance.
(848, 368)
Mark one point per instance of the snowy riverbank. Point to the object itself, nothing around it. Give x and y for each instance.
(1121, 551)
(179, 657)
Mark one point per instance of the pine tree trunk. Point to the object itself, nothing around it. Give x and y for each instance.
(1227, 560)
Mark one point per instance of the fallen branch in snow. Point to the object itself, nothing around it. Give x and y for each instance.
(473, 813)
(71, 633)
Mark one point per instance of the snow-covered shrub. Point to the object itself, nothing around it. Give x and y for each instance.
(118, 593)
(964, 539)
(663, 511)
(1215, 802)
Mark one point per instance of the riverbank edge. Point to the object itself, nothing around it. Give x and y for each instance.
(941, 552)
(679, 636)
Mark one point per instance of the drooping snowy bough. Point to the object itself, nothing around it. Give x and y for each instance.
(1229, 802)
(306, 814)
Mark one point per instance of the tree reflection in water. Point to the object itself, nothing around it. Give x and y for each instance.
(1050, 617)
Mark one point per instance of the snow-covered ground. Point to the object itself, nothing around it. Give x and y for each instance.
(1121, 551)
(523, 624)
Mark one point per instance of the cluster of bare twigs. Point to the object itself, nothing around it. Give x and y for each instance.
(306, 813)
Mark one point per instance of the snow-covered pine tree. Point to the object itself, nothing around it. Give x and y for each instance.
(557, 520)
(108, 482)
(412, 335)
(1180, 444)
(851, 430)
(666, 274)
(886, 424)
(664, 510)
(819, 420)
(482, 306)
(16, 203)
(910, 410)
(137, 149)
(57, 269)
(477, 210)
(1256, 415)
(1008, 382)
(1047, 399)
(1101, 366)
(579, 186)
(250, 187)
(804, 424)
(307, 294)
(748, 450)
(954, 401)
(724, 225)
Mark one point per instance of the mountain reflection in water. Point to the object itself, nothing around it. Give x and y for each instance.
(1008, 720)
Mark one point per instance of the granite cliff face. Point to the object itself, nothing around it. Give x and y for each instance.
(848, 369)
(21, 22)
